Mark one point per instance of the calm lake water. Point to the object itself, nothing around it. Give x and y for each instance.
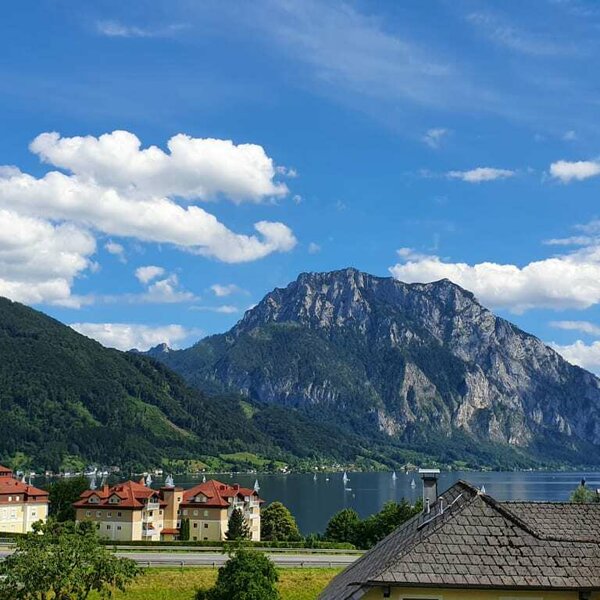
(314, 502)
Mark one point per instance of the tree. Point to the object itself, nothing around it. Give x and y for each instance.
(390, 517)
(63, 561)
(184, 531)
(583, 494)
(247, 575)
(278, 524)
(63, 493)
(237, 527)
(343, 526)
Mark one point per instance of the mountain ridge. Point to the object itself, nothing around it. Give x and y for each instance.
(379, 356)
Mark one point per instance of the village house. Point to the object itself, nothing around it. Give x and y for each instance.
(132, 511)
(466, 545)
(209, 505)
(21, 504)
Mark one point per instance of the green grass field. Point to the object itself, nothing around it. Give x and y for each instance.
(181, 584)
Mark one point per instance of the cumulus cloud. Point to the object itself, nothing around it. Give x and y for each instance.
(224, 290)
(481, 174)
(193, 168)
(148, 273)
(567, 281)
(126, 336)
(579, 170)
(434, 137)
(582, 326)
(114, 187)
(581, 354)
(39, 260)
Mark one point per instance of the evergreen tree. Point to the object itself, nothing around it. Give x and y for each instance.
(247, 575)
(278, 524)
(237, 527)
(184, 531)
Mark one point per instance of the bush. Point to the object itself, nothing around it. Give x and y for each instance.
(247, 575)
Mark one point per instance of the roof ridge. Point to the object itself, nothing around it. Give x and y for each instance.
(429, 531)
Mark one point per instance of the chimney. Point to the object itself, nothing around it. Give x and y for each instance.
(430, 491)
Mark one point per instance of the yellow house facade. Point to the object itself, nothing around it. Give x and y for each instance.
(21, 504)
(132, 511)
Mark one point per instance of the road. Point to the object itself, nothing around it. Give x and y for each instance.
(214, 559)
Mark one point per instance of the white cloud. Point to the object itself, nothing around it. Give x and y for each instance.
(126, 336)
(224, 290)
(434, 137)
(567, 281)
(117, 29)
(582, 326)
(481, 174)
(581, 354)
(148, 273)
(114, 187)
(226, 309)
(39, 260)
(314, 248)
(193, 168)
(569, 136)
(579, 170)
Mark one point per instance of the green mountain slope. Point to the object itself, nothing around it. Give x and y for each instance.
(65, 398)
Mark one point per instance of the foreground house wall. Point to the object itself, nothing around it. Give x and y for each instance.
(471, 594)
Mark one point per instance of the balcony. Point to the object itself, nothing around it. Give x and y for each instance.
(152, 506)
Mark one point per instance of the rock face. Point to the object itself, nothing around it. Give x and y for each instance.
(410, 362)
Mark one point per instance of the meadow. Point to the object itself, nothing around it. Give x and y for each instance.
(182, 584)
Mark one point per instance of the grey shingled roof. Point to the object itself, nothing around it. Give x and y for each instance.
(478, 542)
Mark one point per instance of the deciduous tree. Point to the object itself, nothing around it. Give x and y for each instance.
(278, 524)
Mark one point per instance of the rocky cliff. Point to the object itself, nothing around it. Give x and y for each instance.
(420, 364)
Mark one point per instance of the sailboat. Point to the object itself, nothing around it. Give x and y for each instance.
(394, 476)
(345, 478)
(412, 483)
(203, 478)
(256, 486)
(315, 477)
(149, 480)
(482, 490)
(169, 481)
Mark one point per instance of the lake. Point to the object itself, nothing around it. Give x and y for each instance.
(314, 502)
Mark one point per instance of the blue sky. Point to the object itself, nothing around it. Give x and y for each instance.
(444, 139)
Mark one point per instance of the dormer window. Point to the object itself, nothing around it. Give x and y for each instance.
(94, 500)
(114, 500)
(201, 498)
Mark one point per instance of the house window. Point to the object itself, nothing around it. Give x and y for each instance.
(98, 514)
(195, 525)
(206, 513)
(205, 525)
(108, 527)
(88, 513)
(118, 528)
(119, 514)
(185, 512)
(195, 513)
(109, 514)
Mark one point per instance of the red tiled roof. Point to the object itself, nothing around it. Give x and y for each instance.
(216, 493)
(5, 472)
(131, 495)
(10, 486)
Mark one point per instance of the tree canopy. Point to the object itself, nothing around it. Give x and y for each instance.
(247, 575)
(346, 525)
(277, 524)
(63, 493)
(63, 561)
